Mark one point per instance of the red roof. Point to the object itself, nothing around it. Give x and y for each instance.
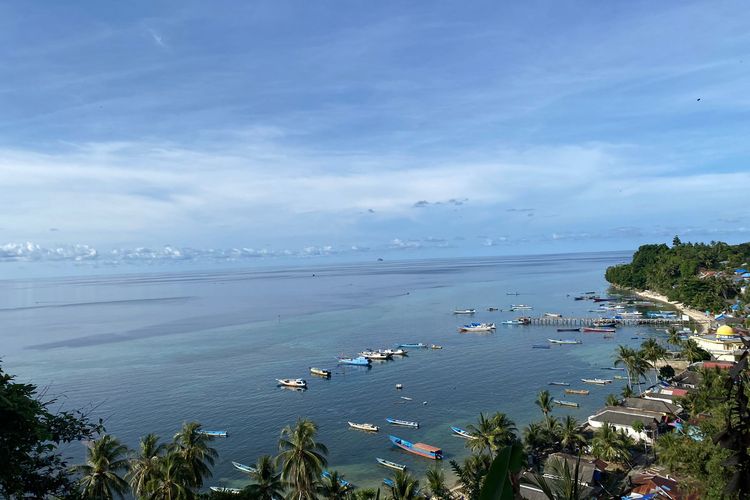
(663, 487)
(725, 365)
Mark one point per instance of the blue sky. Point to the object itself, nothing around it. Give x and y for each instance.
(305, 128)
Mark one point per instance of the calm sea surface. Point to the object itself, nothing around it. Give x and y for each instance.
(151, 351)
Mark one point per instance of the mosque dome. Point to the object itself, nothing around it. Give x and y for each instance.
(725, 331)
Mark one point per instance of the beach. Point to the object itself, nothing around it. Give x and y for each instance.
(703, 321)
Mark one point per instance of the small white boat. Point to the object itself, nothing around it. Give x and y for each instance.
(320, 372)
(404, 423)
(364, 427)
(464, 311)
(394, 352)
(219, 489)
(435, 346)
(376, 355)
(461, 432)
(565, 342)
(244, 468)
(407, 398)
(520, 307)
(600, 381)
(477, 327)
(553, 315)
(221, 434)
(389, 464)
(292, 382)
(565, 403)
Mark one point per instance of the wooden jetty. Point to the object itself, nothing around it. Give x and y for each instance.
(589, 321)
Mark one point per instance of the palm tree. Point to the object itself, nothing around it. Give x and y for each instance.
(534, 439)
(627, 392)
(145, 467)
(173, 480)
(471, 474)
(609, 445)
(405, 487)
(302, 458)
(100, 478)
(366, 494)
(505, 430)
(571, 436)
(544, 402)
(652, 351)
(633, 361)
(491, 434)
(436, 482)
(197, 455)
(613, 400)
(692, 352)
(268, 484)
(674, 336)
(331, 487)
(566, 483)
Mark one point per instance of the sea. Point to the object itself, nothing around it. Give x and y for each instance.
(148, 351)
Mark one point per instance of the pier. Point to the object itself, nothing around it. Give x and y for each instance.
(589, 321)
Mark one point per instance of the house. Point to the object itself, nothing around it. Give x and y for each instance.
(662, 488)
(623, 419)
(724, 345)
(667, 394)
(589, 471)
(663, 407)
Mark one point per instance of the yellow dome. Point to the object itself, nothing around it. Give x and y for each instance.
(725, 331)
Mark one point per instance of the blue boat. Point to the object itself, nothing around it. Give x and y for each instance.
(461, 432)
(405, 423)
(358, 361)
(388, 482)
(421, 449)
(221, 434)
(540, 346)
(343, 483)
(420, 345)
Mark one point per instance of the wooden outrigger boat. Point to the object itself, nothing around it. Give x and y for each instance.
(582, 392)
(320, 372)
(221, 434)
(421, 449)
(464, 311)
(360, 361)
(244, 468)
(559, 383)
(564, 341)
(403, 423)
(461, 432)
(588, 329)
(571, 404)
(364, 427)
(418, 345)
(389, 464)
(435, 346)
(477, 327)
(568, 329)
(220, 489)
(343, 483)
(375, 355)
(599, 381)
(297, 383)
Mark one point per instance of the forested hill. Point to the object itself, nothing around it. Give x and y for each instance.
(699, 275)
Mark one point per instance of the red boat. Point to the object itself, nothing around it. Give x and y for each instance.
(597, 330)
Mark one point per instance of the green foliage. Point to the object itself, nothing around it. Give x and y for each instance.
(436, 482)
(471, 473)
(674, 272)
(666, 372)
(302, 458)
(501, 482)
(611, 445)
(491, 434)
(405, 487)
(30, 462)
(101, 475)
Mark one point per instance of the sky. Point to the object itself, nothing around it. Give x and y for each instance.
(232, 129)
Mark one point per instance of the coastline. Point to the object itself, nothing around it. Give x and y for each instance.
(700, 318)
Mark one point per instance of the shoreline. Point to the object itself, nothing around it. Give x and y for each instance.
(700, 318)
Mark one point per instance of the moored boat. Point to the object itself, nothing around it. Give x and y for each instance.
(520, 307)
(559, 383)
(435, 346)
(220, 489)
(582, 392)
(419, 345)
(590, 329)
(375, 355)
(364, 427)
(389, 464)
(621, 377)
(553, 315)
(461, 432)
(320, 372)
(389, 482)
(571, 404)
(343, 483)
(404, 423)
(359, 361)
(564, 341)
(395, 352)
(568, 329)
(477, 327)
(243, 467)
(464, 311)
(292, 382)
(599, 381)
(221, 434)
(421, 449)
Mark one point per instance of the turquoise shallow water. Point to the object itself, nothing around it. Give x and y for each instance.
(150, 351)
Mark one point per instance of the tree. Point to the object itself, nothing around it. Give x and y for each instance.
(571, 436)
(365, 494)
(612, 400)
(405, 487)
(471, 473)
(302, 458)
(436, 483)
(652, 351)
(610, 445)
(267, 480)
(544, 402)
(666, 372)
(534, 439)
(559, 482)
(144, 468)
(173, 480)
(633, 361)
(627, 392)
(30, 434)
(692, 352)
(100, 475)
(331, 486)
(490, 434)
(193, 447)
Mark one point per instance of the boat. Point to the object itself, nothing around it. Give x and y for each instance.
(404, 423)
(614, 368)
(571, 404)
(568, 329)
(363, 427)
(421, 449)
(221, 434)
(564, 341)
(435, 346)
(292, 382)
(244, 468)
(605, 323)
(520, 307)
(221, 489)
(621, 377)
(492, 309)
(375, 355)
(461, 432)
(343, 483)
(512, 322)
(394, 352)
(600, 381)
(320, 372)
(559, 383)
(553, 315)
(477, 327)
(389, 464)
(389, 482)
(464, 311)
(590, 329)
(407, 398)
(512, 293)
(359, 361)
(540, 346)
(582, 392)
(419, 345)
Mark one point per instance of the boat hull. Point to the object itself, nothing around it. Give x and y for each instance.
(416, 448)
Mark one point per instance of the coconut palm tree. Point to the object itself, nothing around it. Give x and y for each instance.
(193, 447)
(652, 352)
(633, 361)
(173, 480)
(692, 352)
(471, 473)
(571, 436)
(673, 337)
(436, 483)
(267, 480)
(482, 435)
(613, 400)
(566, 484)
(544, 402)
(302, 458)
(627, 392)
(366, 494)
(534, 440)
(330, 487)
(144, 468)
(405, 487)
(505, 430)
(609, 445)
(100, 475)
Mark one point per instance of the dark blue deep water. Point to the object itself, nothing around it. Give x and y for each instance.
(148, 352)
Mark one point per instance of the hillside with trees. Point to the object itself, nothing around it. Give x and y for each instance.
(697, 274)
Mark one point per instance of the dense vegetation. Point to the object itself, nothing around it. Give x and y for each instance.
(674, 272)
